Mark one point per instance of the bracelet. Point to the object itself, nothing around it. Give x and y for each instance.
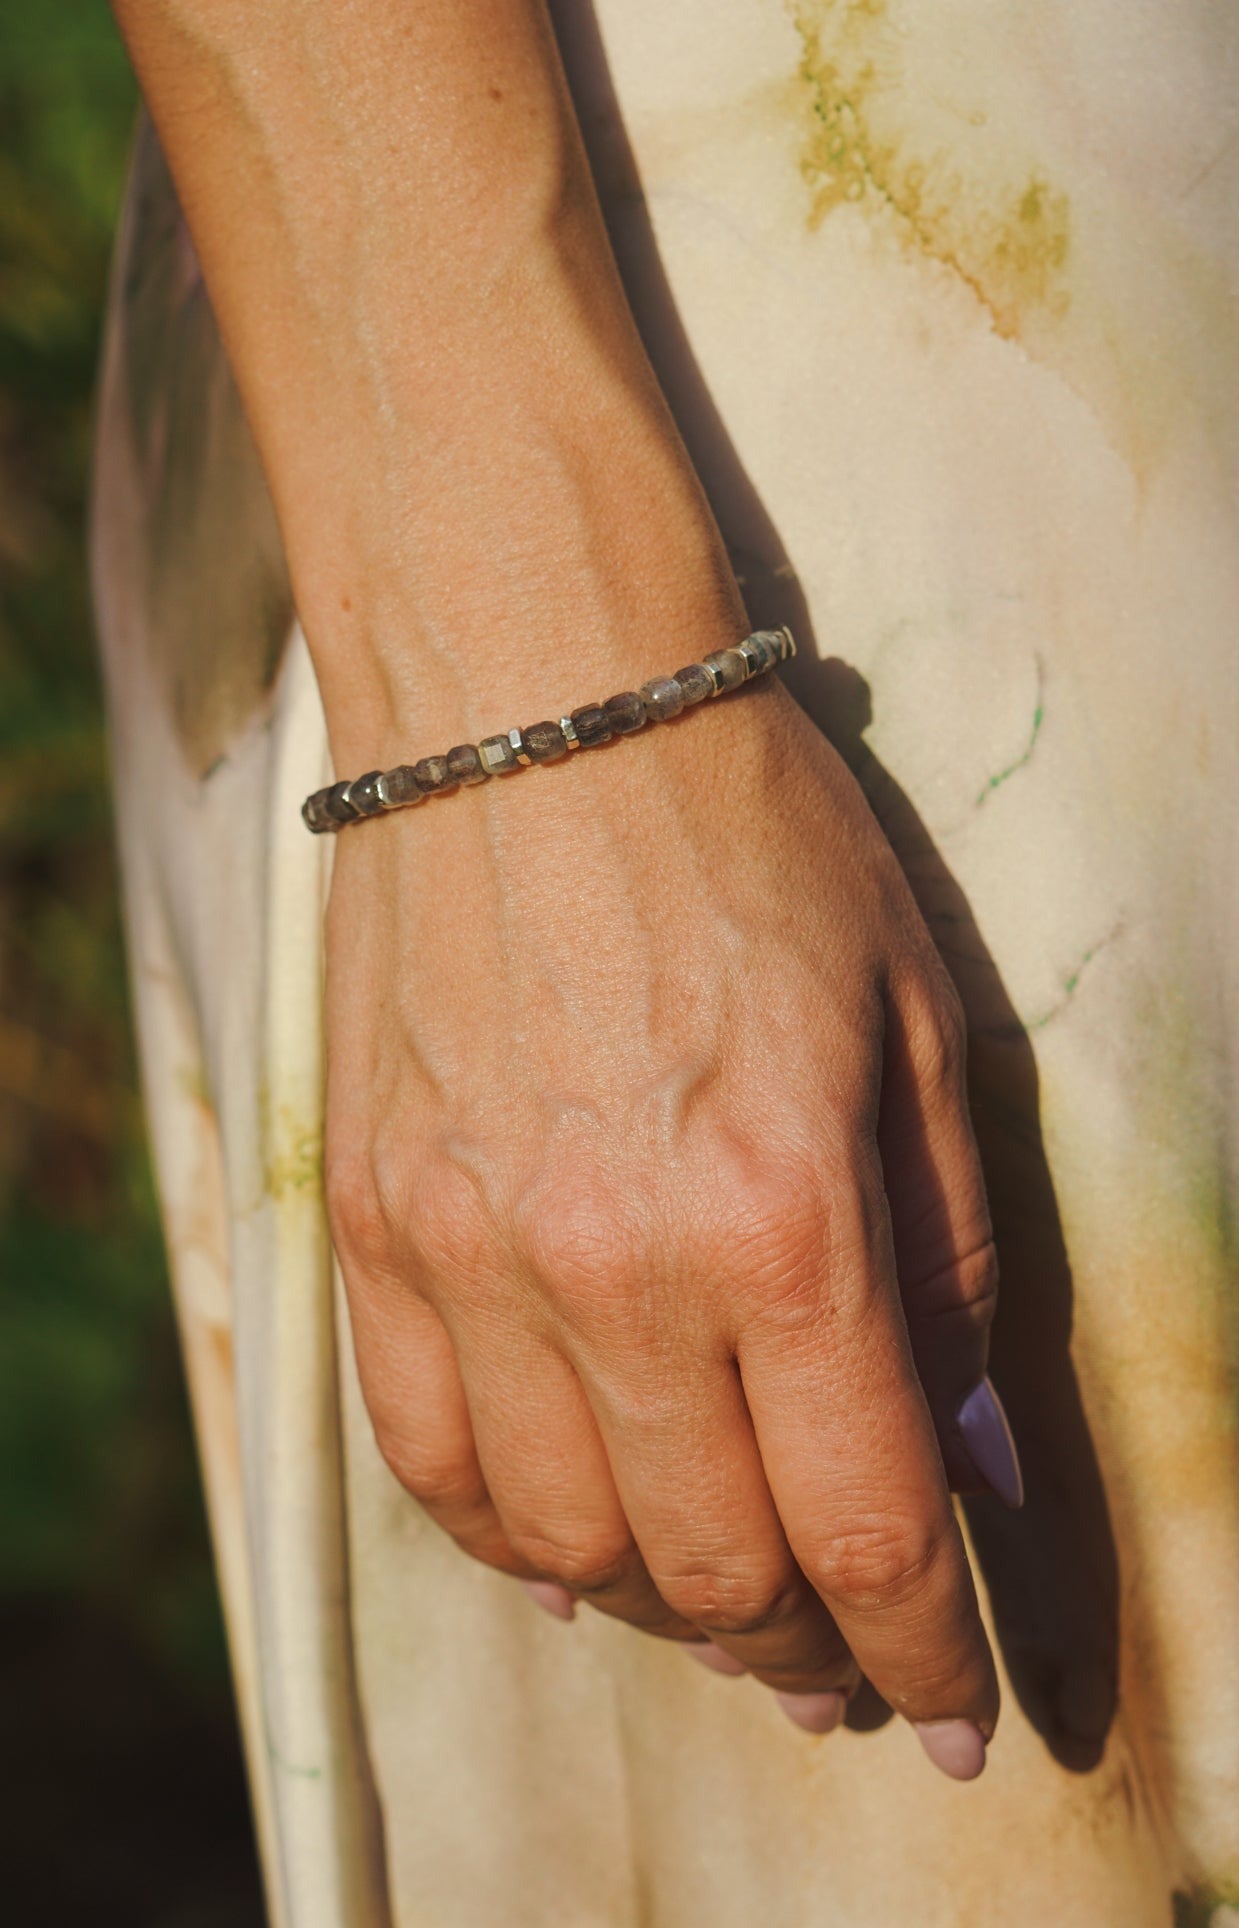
(656, 701)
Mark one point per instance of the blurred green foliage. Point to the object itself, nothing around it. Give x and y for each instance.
(103, 1549)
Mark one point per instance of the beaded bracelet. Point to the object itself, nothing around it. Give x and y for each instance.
(656, 701)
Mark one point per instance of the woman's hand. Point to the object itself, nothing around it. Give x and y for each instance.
(649, 1161)
(651, 1176)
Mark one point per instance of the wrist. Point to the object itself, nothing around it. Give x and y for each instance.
(535, 571)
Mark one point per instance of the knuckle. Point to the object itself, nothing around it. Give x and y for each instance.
(584, 1563)
(572, 1230)
(730, 1604)
(961, 1292)
(441, 1485)
(359, 1222)
(781, 1231)
(940, 1034)
(807, 1247)
(876, 1568)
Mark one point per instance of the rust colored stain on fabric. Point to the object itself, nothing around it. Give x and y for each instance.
(1005, 231)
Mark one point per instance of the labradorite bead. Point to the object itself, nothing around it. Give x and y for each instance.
(695, 682)
(363, 795)
(400, 785)
(730, 665)
(337, 808)
(464, 765)
(593, 725)
(625, 712)
(314, 812)
(430, 774)
(544, 742)
(663, 698)
(497, 755)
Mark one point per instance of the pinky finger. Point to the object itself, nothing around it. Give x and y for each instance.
(415, 1396)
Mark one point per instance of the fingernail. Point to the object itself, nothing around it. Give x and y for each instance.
(987, 1435)
(816, 1713)
(713, 1657)
(956, 1746)
(551, 1598)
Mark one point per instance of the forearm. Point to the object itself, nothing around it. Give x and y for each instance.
(400, 237)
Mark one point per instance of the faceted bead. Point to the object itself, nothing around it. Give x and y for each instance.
(314, 812)
(337, 807)
(625, 712)
(497, 755)
(729, 667)
(695, 682)
(464, 765)
(544, 742)
(758, 652)
(363, 795)
(399, 786)
(663, 698)
(430, 774)
(771, 642)
(593, 725)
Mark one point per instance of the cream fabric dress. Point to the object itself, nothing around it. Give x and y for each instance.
(944, 297)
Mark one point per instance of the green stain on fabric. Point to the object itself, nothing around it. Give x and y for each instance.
(291, 1768)
(1070, 984)
(1000, 777)
(292, 1151)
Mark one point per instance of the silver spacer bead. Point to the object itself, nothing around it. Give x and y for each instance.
(518, 746)
(753, 655)
(569, 729)
(790, 650)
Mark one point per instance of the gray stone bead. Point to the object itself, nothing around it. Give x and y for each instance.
(761, 652)
(364, 796)
(663, 698)
(625, 712)
(729, 667)
(592, 724)
(771, 643)
(497, 755)
(464, 765)
(430, 774)
(399, 786)
(337, 807)
(314, 813)
(545, 742)
(695, 682)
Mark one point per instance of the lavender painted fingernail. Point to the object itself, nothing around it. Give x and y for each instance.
(713, 1657)
(551, 1598)
(986, 1433)
(955, 1746)
(816, 1713)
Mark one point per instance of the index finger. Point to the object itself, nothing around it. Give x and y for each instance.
(853, 1463)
